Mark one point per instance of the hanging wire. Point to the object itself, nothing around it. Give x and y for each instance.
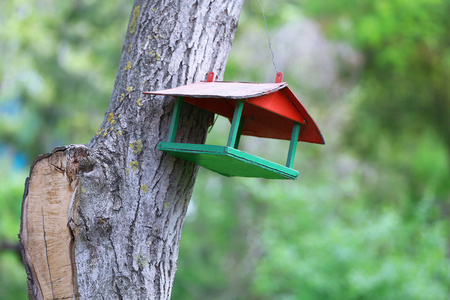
(268, 37)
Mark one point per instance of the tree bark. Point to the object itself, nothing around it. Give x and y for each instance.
(103, 221)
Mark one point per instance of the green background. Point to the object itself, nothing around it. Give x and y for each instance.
(368, 217)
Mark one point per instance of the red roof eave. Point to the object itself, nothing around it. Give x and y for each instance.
(272, 113)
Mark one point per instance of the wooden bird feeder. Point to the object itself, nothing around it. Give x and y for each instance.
(269, 110)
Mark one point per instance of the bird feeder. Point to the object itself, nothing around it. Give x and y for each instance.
(268, 110)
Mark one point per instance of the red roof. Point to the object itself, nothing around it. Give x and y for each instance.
(270, 108)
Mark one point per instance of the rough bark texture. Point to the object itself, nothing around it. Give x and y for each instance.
(104, 221)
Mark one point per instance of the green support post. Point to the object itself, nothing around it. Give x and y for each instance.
(234, 130)
(175, 119)
(293, 145)
(238, 137)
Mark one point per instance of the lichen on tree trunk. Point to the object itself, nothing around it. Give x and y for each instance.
(126, 200)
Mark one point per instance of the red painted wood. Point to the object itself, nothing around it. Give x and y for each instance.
(277, 104)
(210, 77)
(279, 77)
(269, 110)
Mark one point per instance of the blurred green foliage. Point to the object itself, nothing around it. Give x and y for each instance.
(59, 61)
(404, 97)
(367, 218)
(12, 274)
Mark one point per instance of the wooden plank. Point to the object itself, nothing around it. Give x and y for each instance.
(239, 133)
(221, 89)
(175, 119)
(234, 129)
(228, 161)
(293, 145)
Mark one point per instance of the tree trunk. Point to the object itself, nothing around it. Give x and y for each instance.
(103, 221)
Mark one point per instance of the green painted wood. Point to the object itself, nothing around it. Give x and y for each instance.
(175, 119)
(239, 133)
(293, 145)
(228, 161)
(234, 129)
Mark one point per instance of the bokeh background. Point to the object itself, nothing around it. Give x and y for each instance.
(368, 217)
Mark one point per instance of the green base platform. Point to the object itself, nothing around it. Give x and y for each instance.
(228, 161)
